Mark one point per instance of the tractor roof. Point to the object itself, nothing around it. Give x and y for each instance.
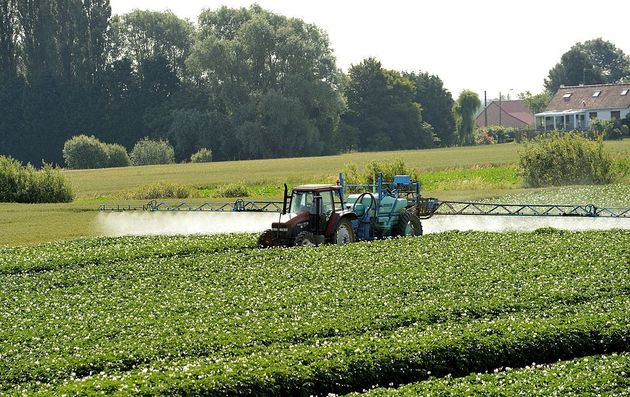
(316, 188)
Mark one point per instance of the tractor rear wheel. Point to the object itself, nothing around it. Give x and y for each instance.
(267, 239)
(408, 225)
(344, 233)
(305, 239)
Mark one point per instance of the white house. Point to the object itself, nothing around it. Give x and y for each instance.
(573, 107)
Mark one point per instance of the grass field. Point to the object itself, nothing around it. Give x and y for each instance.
(109, 182)
(450, 174)
(213, 315)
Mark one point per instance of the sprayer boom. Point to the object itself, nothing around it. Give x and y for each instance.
(494, 209)
(426, 208)
(237, 206)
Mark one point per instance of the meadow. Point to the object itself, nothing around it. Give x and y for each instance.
(464, 173)
(214, 315)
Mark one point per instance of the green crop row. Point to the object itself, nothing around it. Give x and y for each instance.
(104, 250)
(300, 321)
(607, 375)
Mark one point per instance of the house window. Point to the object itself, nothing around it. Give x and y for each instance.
(580, 121)
(592, 115)
(615, 115)
(567, 96)
(624, 92)
(596, 93)
(548, 123)
(559, 122)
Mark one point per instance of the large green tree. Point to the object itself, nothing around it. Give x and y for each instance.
(382, 113)
(148, 75)
(436, 102)
(464, 111)
(51, 56)
(274, 77)
(591, 62)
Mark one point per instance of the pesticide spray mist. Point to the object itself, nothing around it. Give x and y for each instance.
(172, 223)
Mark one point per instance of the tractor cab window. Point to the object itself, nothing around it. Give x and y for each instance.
(327, 202)
(302, 201)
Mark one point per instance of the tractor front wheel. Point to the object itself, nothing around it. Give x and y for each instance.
(408, 225)
(344, 233)
(267, 239)
(305, 239)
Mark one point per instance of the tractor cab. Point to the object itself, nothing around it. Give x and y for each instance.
(310, 216)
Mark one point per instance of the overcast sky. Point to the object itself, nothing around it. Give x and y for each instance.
(498, 46)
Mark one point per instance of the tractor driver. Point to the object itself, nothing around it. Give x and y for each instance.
(301, 202)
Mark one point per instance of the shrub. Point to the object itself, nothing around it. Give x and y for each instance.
(24, 184)
(84, 151)
(161, 190)
(565, 159)
(496, 134)
(389, 169)
(609, 129)
(147, 152)
(203, 155)
(232, 190)
(484, 138)
(117, 155)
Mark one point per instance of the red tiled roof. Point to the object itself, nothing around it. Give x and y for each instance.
(582, 97)
(518, 109)
(514, 113)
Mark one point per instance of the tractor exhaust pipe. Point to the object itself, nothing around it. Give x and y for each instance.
(286, 198)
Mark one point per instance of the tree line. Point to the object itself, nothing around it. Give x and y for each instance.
(242, 82)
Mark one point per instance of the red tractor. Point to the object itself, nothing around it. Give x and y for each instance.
(317, 214)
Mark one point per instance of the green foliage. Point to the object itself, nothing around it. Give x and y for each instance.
(436, 102)
(25, 184)
(495, 134)
(212, 315)
(160, 190)
(142, 36)
(382, 113)
(117, 155)
(191, 129)
(202, 155)
(464, 110)
(272, 81)
(84, 151)
(586, 376)
(614, 196)
(536, 103)
(591, 62)
(565, 159)
(389, 169)
(609, 129)
(148, 152)
(238, 189)
(484, 137)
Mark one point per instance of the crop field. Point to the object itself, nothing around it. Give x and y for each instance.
(587, 376)
(213, 315)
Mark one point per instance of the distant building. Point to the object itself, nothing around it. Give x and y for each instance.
(573, 107)
(510, 113)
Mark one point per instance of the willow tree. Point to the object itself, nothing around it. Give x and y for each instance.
(274, 77)
(464, 111)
